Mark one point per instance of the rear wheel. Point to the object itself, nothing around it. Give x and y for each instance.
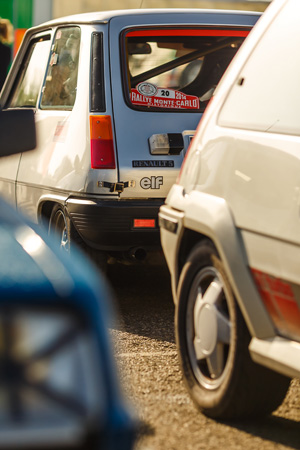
(59, 228)
(66, 236)
(212, 339)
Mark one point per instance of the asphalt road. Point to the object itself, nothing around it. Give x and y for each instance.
(147, 358)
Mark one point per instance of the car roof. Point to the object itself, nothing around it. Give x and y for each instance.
(106, 16)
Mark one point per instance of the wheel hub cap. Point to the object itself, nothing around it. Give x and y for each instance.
(206, 329)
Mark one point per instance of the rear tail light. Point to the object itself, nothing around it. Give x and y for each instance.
(102, 144)
(279, 299)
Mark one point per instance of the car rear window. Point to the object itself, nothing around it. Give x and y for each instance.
(176, 69)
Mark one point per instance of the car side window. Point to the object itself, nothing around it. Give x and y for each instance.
(28, 85)
(59, 91)
(266, 95)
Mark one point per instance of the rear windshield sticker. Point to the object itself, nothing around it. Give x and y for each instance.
(53, 60)
(147, 94)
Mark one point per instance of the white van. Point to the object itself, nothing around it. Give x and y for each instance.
(230, 230)
(116, 96)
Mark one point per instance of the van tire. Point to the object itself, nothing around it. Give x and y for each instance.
(212, 340)
(66, 236)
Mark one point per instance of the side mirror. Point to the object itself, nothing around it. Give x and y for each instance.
(17, 131)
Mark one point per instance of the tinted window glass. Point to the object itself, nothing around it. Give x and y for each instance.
(60, 87)
(177, 69)
(266, 96)
(30, 81)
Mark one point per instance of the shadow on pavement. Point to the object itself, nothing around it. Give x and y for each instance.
(144, 300)
(276, 429)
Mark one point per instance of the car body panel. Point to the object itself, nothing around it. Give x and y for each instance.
(8, 169)
(263, 201)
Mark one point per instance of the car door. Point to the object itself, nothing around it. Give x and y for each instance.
(49, 70)
(24, 94)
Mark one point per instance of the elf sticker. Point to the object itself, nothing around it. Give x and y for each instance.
(152, 182)
(147, 94)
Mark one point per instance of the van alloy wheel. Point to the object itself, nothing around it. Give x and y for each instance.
(208, 338)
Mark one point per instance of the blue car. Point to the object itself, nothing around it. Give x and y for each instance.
(58, 384)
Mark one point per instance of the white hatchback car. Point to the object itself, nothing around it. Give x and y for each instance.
(116, 95)
(230, 229)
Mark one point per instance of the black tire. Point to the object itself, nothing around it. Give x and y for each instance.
(59, 228)
(66, 236)
(212, 341)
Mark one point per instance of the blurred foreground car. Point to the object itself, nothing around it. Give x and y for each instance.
(58, 382)
(116, 95)
(230, 230)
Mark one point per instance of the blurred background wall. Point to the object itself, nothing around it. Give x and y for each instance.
(61, 7)
(24, 14)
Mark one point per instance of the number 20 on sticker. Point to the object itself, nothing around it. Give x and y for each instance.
(151, 182)
(165, 93)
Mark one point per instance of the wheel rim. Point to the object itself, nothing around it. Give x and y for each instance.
(209, 328)
(58, 227)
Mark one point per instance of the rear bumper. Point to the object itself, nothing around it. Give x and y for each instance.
(109, 224)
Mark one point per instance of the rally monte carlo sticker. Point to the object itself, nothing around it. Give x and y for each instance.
(147, 94)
